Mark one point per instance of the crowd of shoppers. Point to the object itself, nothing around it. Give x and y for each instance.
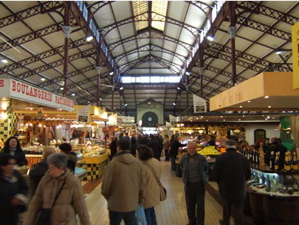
(129, 180)
(70, 201)
(54, 172)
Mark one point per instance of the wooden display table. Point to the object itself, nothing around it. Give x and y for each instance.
(94, 165)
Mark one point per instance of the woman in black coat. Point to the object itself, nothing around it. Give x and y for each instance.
(12, 146)
(13, 192)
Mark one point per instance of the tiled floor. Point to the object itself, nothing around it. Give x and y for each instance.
(170, 212)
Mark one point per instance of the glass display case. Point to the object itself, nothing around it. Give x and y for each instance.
(273, 196)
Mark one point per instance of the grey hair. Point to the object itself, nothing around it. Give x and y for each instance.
(59, 160)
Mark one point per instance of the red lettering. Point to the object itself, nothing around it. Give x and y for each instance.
(1, 83)
(13, 85)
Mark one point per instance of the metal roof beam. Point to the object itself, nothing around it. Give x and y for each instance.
(146, 34)
(193, 30)
(267, 11)
(27, 13)
(43, 55)
(56, 63)
(150, 47)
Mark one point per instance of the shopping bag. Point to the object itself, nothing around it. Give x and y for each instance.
(163, 193)
(44, 217)
(140, 216)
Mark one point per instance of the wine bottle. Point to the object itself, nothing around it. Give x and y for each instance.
(274, 186)
(295, 162)
(277, 162)
(287, 165)
(268, 184)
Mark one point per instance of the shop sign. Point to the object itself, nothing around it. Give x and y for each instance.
(295, 55)
(125, 119)
(83, 114)
(15, 89)
(199, 104)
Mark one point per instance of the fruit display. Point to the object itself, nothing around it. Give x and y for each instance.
(209, 150)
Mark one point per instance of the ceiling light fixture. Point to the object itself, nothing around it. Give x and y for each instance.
(89, 38)
(210, 37)
(121, 88)
(43, 79)
(249, 101)
(4, 61)
(269, 106)
(61, 88)
(73, 94)
(111, 73)
(178, 88)
(278, 52)
(126, 104)
(188, 73)
(174, 103)
(241, 106)
(266, 96)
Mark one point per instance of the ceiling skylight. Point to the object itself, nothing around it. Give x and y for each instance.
(139, 9)
(159, 9)
(142, 16)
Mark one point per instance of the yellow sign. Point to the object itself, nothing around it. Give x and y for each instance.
(295, 48)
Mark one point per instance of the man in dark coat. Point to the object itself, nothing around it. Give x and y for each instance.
(174, 149)
(231, 171)
(195, 176)
(155, 145)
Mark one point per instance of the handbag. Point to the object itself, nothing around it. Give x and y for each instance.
(44, 217)
(140, 216)
(163, 191)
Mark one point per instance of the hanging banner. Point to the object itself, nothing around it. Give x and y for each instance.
(173, 119)
(295, 55)
(199, 104)
(83, 114)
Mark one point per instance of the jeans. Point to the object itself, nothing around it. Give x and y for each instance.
(116, 218)
(172, 159)
(150, 216)
(195, 201)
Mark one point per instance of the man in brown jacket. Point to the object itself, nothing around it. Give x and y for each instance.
(123, 185)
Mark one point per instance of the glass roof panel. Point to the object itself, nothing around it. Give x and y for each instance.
(140, 9)
(159, 9)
